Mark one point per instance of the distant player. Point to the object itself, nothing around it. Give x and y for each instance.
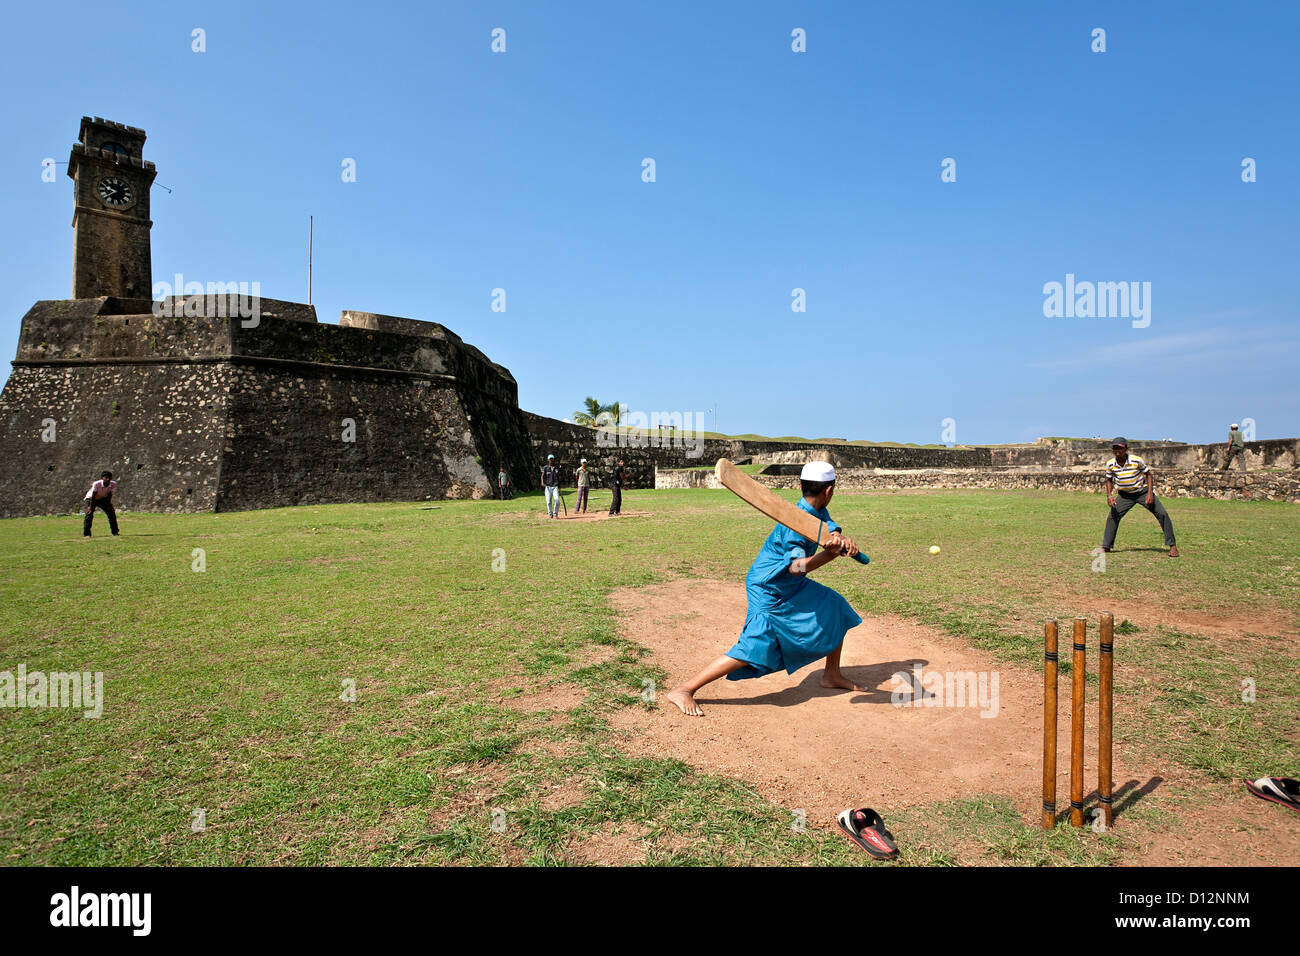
(791, 621)
(583, 477)
(616, 481)
(1129, 482)
(551, 485)
(100, 496)
(1236, 448)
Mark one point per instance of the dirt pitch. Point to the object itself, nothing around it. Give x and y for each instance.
(816, 750)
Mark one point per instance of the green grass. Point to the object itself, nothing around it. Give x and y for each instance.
(224, 687)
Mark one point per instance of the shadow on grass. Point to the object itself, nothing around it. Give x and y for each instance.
(1122, 799)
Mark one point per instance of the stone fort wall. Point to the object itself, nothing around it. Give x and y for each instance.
(990, 466)
(1255, 486)
(199, 413)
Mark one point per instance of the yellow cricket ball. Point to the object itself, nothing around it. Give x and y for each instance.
(934, 549)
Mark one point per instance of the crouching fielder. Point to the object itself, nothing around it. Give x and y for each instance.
(791, 620)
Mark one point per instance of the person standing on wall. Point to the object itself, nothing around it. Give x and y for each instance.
(1236, 449)
(551, 482)
(100, 496)
(584, 485)
(1129, 482)
(616, 485)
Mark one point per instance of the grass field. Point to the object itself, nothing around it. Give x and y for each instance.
(224, 687)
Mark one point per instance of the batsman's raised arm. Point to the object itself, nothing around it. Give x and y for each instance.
(808, 523)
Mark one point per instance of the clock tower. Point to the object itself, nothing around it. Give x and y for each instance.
(110, 220)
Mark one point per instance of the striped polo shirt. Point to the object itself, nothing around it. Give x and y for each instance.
(1130, 476)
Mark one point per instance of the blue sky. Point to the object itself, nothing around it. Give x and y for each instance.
(775, 170)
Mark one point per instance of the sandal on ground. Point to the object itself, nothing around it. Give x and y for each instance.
(1281, 790)
(865, 828)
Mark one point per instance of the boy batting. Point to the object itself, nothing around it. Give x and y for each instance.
(791, 621)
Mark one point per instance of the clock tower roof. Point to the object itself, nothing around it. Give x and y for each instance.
(89, 121)
(109, 142)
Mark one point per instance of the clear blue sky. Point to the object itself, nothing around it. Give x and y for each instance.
(775, 170)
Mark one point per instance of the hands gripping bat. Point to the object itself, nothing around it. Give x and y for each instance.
(774, 506)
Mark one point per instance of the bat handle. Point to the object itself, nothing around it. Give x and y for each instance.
(861, 558)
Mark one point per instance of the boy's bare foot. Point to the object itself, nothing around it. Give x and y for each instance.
(685, 703)
(838, 680)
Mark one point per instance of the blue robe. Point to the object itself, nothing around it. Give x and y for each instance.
(792, 620)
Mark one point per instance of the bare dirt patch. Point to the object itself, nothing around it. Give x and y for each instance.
(563, 794)
(615, 844)
(1231, 828)
(595, 516)
(483, 785)
(804, 747)
(561, 697)
(819, 750)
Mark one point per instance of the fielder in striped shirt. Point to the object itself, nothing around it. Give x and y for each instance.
(1129, 482)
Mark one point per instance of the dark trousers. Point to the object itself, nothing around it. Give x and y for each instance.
(616, 505)
(1234, 451)
(106, 505)
(1126, 500)
(581, 506)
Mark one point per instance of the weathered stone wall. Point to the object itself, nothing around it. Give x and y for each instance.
(569, 443)
(1180, 469)
(197, 412)
(1259, 486)
(157, 427)
(1270, 453)
(285, 429)
(194, 411)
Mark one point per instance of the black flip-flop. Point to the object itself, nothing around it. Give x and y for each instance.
(865, 828)
(1281, 790)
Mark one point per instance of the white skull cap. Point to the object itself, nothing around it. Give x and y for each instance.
(818, 471)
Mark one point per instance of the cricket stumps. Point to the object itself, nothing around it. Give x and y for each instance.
(1049, 726)
(1078, 684)
(1104, 692)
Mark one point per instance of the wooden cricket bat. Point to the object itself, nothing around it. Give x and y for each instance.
(774, 506)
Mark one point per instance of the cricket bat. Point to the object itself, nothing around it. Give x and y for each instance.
(774, 506)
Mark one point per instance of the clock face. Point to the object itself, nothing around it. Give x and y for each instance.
(115, 193)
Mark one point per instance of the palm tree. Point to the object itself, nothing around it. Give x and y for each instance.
(592, 412)
(591, 408)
